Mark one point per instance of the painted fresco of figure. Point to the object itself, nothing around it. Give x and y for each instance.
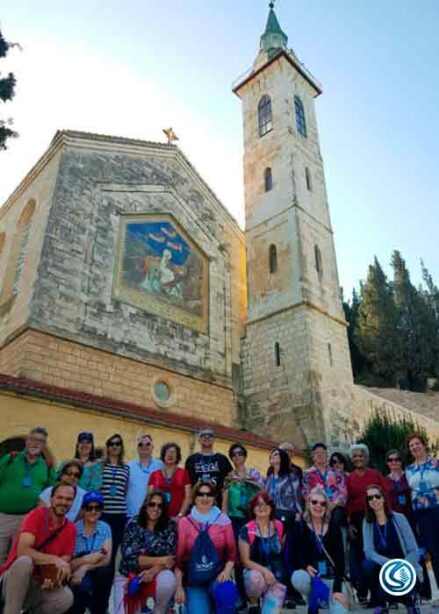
(161, 279)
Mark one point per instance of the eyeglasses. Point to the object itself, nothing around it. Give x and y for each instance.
(317, 502)
(207, 436)
(376, 496)
(154, 504)
(37, 440)
(394, 459)
(93, 508)
(336, 461)
(238, 453)
(205, 493)
(262, 504)
(114, 444)
(147, 444)
(73, 474)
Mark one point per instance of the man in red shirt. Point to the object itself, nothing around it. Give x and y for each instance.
(45, 537)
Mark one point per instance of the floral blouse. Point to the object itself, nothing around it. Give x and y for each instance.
(423, 480)
(138, 541)
(333, 481)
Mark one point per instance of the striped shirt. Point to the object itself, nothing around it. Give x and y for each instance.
(85, 544)
(114, 488)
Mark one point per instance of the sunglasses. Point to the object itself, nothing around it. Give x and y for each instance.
(394, 459)
(205, 493)
(238, 453)
(73, 474)
(114, 444)
(262, 504)
(376, 496)
(144, 445)
(207, 436)
(317, 502)
(93, 508)
(154, 504)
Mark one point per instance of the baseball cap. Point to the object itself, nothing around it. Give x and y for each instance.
(85, 436)
(92, 497)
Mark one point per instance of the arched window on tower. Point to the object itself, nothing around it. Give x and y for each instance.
(272, 258)
(268, 179)
(277, 354)
(300, 116)
(308, 178)
(265, 117)
(318, 259)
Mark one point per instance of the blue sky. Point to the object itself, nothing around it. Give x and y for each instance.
(135, 67)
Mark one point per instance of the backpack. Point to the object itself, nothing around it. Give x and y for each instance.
(13, 455)
(204, 562)
(253, 530)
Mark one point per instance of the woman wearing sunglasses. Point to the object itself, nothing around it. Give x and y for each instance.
(205, 591)
(261, 543)
(113, 477)
(69, 473)
(399, 489)
(91, 579)
(320, 549)
(386, 535)
(148, 557)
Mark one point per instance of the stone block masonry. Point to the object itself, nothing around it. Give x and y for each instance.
(59, 362)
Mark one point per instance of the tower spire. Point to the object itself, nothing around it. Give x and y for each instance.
(273, 38)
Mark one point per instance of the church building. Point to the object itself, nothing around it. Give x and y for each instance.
(131, 301)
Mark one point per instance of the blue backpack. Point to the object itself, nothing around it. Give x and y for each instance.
(204, 562)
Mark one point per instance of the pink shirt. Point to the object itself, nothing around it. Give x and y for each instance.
(220, 533)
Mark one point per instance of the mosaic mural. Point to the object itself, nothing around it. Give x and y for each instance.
(161, 270)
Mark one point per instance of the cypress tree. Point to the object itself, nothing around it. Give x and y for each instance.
(376, 332)
(416, 328)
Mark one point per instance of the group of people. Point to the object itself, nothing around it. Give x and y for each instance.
(214, 536)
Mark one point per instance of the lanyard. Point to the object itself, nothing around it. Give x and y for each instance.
(318, 538)
(265, 542)
(92, 542)
(382, 535)
(322, 476)
(168, 480)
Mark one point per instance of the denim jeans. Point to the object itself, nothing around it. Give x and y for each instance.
(200, 599)
(428, 526)
(92, 592)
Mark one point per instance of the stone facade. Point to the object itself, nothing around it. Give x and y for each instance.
(296, 361)
(82, 189)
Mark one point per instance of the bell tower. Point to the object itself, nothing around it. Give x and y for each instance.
(297, 375)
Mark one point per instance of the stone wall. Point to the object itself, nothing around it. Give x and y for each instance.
(100, 180)
(58, 362)
(36, 190)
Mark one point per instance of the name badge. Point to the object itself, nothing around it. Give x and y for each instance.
(402, 500)
(322, 568)
(168, 497)
(27, 482)
(113, 490)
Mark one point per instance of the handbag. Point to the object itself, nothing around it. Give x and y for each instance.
(48, 572)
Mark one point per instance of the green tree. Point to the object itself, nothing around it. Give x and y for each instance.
(416, 328)
(7, 91)
(382, 433)
(351, 314)
(376, 331)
